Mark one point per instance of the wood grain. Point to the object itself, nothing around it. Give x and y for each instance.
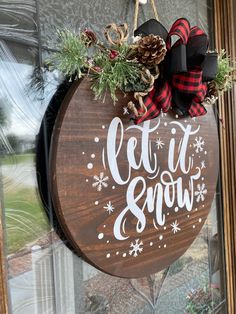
(79, 122)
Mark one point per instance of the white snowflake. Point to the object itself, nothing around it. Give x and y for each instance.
(159, 143)
(125, 111)
(175, 227)
(200, 194)
(199, 143)
(109, 208)
(203, 164)
(136, 248)
(100, 181)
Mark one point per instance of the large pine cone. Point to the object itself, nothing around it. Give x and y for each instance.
(151, 50)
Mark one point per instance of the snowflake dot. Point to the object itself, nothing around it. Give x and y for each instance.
(124, 255)
(90, 166)
(108, 255)
(173, 131)
(96, 203)
(176, 209)
(151, 243)
(200, 219)
(96, 139)
(101, 236)
(93, 156)
(161, 237)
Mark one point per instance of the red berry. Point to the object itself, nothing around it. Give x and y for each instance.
(113, 54)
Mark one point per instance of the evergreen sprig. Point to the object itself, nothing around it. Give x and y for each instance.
(72, 54)
(109, 73)
(224, 77)
(115, 73)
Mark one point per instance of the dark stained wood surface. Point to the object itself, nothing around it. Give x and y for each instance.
(78, 159)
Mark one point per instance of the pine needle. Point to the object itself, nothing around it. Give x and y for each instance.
(72, 54)
(115, 74)
(224, 76)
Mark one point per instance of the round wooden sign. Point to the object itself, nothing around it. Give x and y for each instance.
(130, 198)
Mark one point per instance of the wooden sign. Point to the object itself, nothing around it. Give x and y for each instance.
(130, 198)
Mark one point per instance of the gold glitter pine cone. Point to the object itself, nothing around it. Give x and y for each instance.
(151, 50)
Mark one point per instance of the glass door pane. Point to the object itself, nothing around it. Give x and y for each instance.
(44, 275)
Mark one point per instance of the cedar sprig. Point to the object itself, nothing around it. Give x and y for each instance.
(224, 77)
(72, 54)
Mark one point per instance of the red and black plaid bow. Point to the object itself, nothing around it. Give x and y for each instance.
(182, 85)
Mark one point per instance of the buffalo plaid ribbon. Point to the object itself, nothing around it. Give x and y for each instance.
(189, 83)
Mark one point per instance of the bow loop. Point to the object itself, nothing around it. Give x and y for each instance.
(180, 28)
(177, 60)
(196, 48)
(188, 67)
(152, 26)
(189, 82)
(209, 66)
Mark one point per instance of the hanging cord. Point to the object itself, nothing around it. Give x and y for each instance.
(154, 8)
(136, 12)
(146, 75)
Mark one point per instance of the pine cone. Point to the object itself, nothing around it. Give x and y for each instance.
(151, 50)
(212, 89)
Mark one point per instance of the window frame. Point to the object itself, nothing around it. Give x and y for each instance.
(225, 28)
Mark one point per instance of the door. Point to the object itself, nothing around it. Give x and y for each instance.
(41, 273)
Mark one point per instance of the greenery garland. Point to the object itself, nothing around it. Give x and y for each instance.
(119, 65)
